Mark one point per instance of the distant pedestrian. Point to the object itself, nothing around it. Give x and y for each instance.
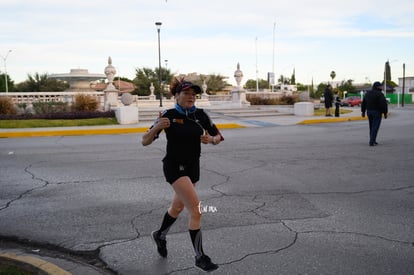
(337, 104)
(374, 104)
(328, 97)
(186, 127)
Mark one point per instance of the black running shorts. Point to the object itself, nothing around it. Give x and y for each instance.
(173, 170)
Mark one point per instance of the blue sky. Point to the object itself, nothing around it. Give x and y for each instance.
(353, 38)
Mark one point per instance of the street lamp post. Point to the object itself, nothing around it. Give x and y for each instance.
(158, 24)
(257, 71)
(166, 83)
(403, 86)
(5, 70)
(273, 65)
(166, 70)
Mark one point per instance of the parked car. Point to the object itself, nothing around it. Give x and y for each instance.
(351, 101)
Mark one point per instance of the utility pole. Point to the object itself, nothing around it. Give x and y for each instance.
(158, 24)
(257, 71)
(273, 65)
(5, 70)
(403, 86)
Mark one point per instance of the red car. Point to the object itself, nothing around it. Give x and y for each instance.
(351, 101)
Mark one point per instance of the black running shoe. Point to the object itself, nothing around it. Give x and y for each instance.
(205, 263)
(161, 244)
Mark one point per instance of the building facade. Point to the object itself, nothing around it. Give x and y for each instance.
(409, 85)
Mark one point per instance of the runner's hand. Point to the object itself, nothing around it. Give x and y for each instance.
(205, 139)
(163, 122)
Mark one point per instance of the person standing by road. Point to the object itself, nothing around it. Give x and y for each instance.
(374, 104)
(337, 104)
(186, 127)
(328, 98)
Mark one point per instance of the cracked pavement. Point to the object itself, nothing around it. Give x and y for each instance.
(303, 199)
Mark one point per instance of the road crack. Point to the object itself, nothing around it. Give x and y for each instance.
(21, 195)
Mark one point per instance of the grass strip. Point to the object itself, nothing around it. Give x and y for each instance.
(39, 123)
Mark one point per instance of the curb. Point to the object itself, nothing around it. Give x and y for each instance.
(71, 132)
(79, 132)
(31, 264)
(331, 120)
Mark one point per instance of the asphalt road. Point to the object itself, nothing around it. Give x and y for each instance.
(301, 199)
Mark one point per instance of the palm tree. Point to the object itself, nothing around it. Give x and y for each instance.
(333, 75)
(41, 83)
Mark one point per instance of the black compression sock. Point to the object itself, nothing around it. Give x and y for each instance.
(167, 222)
(197, 242)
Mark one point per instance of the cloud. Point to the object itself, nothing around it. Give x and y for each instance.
(208, 36)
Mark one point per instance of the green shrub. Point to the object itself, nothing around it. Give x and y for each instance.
(256, 100)
(22, 108)
(288, 100)
(85, 103)
(7, 106)
(284, 100)
(50, 107)
(63, 115)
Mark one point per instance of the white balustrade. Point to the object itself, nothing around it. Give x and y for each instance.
(30, 97)
(140, 101)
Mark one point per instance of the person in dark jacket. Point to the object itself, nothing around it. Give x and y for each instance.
(328, 98)
(337, 104)
(374, 104)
